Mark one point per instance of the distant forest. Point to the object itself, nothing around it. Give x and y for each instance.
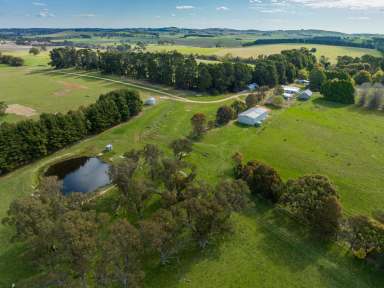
(374, 43)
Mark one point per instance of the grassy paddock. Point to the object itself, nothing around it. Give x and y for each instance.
(330, 51)
(343, 142)
(314, 137)
(49, 92)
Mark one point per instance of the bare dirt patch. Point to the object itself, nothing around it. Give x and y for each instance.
(21, 110)
(68, 87)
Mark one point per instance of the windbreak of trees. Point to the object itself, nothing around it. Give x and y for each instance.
(26, 141)
(327, 40)
(276, 69)
(183, 72)
(11, 60)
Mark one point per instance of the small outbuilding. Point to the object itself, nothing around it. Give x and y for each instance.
(305, 95)
(303, 81)
(108, 148)
(253, 117)
(252, 87)
(150, 101)
(290, 92)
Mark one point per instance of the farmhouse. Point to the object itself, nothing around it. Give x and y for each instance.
(305, 95)
(253, 117)
(290, 92)
(150, 101)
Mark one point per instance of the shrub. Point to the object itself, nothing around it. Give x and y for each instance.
(365, 236)
(263, 180)
(34, 51)
(277, 102)
(224, 115)
(238, 107)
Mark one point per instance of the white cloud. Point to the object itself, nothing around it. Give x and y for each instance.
(44, 13)
(222, 8)
(271, 11)
(39, 4)
(359, 18)
(85, 15)
(185, 7)
(349, 4)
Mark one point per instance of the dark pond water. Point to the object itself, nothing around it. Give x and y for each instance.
(81, 174)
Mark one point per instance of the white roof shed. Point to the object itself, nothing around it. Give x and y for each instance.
(305, 95)
(253, 116)
(150, 101)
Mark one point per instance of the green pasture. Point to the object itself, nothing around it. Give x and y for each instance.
(267, 249)
(314, 137)
(332, 52)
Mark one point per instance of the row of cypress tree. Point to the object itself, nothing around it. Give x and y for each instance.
(183, 72)
(26, 141)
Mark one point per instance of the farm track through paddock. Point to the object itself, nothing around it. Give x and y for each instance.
(167, 95)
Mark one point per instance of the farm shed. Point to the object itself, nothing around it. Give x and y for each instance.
(253, 116)
(290, 92)
(150, 101)
(305, 95)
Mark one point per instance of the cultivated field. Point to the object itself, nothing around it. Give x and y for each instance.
(330, 51)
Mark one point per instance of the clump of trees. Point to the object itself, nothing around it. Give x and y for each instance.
(262, 180)
(313, 201)
(365, 236)
(26, 141)
(34, 51)
(317, 78)
(11, 60)
(341, 91)
(74, 245)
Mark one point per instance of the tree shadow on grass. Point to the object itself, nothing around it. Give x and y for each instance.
(174, 274)
(288, 243)
(13, 265)
(329, 104)
(285, 241)
(365, 111)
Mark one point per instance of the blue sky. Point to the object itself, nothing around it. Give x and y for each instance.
(338, 15)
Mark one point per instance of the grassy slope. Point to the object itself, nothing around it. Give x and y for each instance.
(330, 51)
(264, 249)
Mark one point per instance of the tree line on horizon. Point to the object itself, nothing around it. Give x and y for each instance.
(26, 141)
